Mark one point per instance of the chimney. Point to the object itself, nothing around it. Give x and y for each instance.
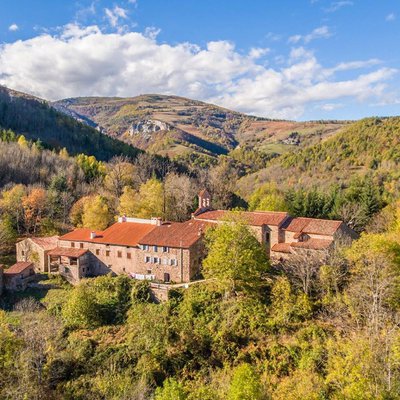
(93, 235)
(156, 221)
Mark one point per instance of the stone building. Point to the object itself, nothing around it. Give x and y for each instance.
(19, 275)
(35, 250)
(171, 252)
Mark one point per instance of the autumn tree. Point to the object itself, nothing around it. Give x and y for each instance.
(90, 166)
(268, 198)
(34, 205)
(171, 390)
(96, 214)
(149, 200)
(128, 202)
(119, 174)
(11, 203)
(245, 384)
(236, 259)
(76, 212)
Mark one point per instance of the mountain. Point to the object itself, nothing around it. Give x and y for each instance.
(367, 147)
(36, 119)
(171, 125)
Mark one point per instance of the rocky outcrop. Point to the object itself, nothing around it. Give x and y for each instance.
(293, 139)
(148, 126)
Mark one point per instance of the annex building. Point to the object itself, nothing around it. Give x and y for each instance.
(161, 251)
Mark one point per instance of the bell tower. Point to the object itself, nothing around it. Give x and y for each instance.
(204, 200)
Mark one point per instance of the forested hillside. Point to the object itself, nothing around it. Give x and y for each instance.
(35, 119)
(369, 146)
(322, 328)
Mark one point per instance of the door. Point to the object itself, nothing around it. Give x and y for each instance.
(167, 277)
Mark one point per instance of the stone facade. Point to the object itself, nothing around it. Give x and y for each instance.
(18, 276)
(171, 252)
(35, 250)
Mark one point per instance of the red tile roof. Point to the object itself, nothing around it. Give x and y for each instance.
(313, 244)
(46, 243)
(312, 225)
(255, 218)
(120, 233)
(281, 248)
(67, 252)
(18, 267)
(310, 244)
(178, 234)
(204, 192)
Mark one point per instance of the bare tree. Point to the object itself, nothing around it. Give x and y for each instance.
(303, 267)
(120, 173)
(179, 195)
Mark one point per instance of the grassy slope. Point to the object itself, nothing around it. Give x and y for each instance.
(194, 125)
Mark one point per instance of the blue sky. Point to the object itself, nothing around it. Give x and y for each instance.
(303, 59)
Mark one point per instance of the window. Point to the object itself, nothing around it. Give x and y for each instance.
(107, 253)
(72, 244)
(155, 249)
(145, 247)
(119, 254)
(73, 261)
(149, 271)
(83, 269)
(165, 261)
(147, 259)
(81, 245)
(123, 269)
(97, 252)
(173, 261)
(156, 260)
(165, 249)
(23, 252)
(128, 256)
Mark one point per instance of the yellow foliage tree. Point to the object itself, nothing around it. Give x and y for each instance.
(150, 200)
(96, 214)
(267, 198)
(128, 202)
(22, 142)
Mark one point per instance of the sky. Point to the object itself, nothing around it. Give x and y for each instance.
(297, 59)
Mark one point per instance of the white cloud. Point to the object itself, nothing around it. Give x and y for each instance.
(84, 61)
(330, 106)
(13, 27)
(115, 15)
(152, 32)
(318, 33)
(83, 13)
(390, 17)
(337, 5)
(258, 52)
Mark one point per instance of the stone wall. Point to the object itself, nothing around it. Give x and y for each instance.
(27, 250)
